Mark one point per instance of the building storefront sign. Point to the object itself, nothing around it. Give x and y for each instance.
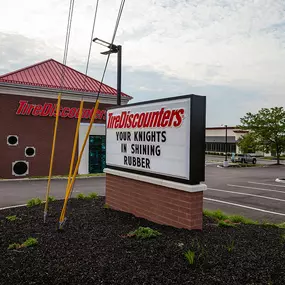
(155, 160)
(153, 138)
(49, 110)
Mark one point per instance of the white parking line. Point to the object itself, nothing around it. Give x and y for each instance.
(243, 206)
(255, 188)
(247, 194)
(265, 184)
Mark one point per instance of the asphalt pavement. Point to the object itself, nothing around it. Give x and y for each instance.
(251, 192)
(19, 192)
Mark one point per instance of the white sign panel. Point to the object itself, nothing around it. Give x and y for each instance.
(151, 137)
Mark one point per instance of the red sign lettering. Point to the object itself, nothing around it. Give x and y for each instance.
(49, 110)
(152, 119)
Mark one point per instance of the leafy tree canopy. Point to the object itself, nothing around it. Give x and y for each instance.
(248, 143)
(267, 127)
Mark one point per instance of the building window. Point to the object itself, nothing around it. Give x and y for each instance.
(12, 140)
(30, 151)
(20, 168)
(220, 147)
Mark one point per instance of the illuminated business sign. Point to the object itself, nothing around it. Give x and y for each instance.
(158, 138)
(49, 110)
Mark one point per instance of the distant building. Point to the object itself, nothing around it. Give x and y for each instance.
(216, 138)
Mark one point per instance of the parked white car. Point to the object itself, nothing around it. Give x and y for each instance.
(243, 158)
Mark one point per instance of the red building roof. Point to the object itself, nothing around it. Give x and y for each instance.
(47, 74)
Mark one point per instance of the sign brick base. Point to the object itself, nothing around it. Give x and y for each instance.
(157, 200)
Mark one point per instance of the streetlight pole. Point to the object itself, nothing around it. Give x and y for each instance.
(119, 74)
(226, 163)
(226, 144)
(114, 49)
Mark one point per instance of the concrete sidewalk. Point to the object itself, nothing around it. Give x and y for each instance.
(52, 178)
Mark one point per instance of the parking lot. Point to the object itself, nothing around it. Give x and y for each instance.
(251, 192)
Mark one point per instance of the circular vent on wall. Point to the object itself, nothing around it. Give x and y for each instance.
(12, 140)
(30, 151)
(20, 168)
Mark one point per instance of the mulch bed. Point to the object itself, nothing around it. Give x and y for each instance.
(92, 249)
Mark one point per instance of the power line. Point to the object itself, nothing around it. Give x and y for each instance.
(71, 187)
(113, 38)
(105, 68)
(67, 37)
(118, 20)
(90, 46)
(68, 29)
(82, 96)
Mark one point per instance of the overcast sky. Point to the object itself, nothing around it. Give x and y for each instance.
(232, 51)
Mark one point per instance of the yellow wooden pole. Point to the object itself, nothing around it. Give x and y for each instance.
(63, 211)
(52, 154)
(74, 144)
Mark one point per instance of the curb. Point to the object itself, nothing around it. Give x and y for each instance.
(46, 179)
(11, 207)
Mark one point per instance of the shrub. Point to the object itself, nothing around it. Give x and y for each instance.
(14, 246)
(281, 226)
(231, 246)
(80, 196)
(267, 224)
(144, 233)
(34, 202)
(11, 218)
(106, 206)
(241, 219)
(190, 256)
(51, 199)
(225, 224)
(27, 243)
(90, 196)
(218, 214)
(93, 195)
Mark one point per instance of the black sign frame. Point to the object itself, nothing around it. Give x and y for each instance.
(197, 140)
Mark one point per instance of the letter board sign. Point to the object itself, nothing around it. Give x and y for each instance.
(158, 138)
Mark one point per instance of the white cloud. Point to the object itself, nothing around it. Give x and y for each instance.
(237, 43)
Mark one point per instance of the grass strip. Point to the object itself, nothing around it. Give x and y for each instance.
(223, 219)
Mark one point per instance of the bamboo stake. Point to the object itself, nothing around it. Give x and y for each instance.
(63, 211)
(75, 144)
(52, 154)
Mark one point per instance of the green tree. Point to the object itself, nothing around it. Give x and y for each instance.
(268, 127)
(248, 143)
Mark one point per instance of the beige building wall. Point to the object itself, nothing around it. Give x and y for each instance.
(231, 132)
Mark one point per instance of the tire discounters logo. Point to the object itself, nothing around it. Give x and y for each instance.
(49, 110)
(156, 119)
(150, 138)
